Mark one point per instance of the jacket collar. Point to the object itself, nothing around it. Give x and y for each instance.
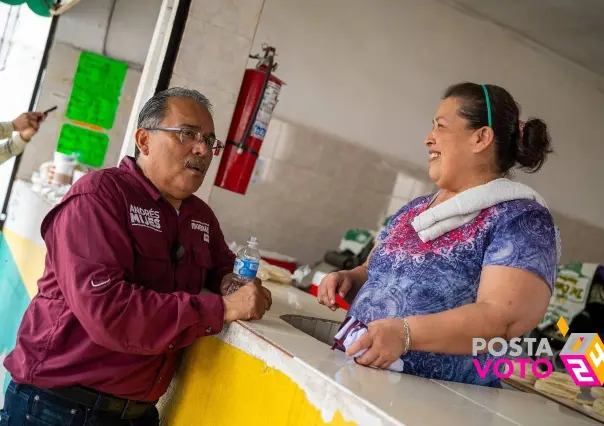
(128, 164)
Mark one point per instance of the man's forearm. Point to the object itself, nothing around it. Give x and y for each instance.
(452, 331)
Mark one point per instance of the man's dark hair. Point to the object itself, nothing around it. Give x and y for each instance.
(156, 108)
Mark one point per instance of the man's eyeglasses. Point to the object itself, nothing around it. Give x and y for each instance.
(191, 136)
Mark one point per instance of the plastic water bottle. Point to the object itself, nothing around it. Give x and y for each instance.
(246, 265)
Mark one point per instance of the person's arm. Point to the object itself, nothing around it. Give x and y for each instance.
(92, 255)
(519, 269)
(27, 125)
(510, 302)
(6, 129)
(11, 147)
(346, 283)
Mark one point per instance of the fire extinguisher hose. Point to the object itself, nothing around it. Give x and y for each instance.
(250, 124)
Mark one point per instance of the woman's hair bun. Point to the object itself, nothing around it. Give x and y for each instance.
(534, 146)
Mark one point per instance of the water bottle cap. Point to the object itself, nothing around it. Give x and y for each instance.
(252, 241)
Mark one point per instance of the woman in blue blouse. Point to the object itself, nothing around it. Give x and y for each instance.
(492, 277)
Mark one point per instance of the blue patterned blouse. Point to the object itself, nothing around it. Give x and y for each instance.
(410, 277)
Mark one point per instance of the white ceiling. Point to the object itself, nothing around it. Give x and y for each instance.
(573, 29)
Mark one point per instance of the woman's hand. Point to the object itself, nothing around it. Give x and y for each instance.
(345, 283)
(384, 342)
(335, 282)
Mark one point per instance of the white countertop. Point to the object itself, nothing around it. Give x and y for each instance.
(403, 399)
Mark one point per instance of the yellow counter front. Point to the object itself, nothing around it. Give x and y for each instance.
(268, 372)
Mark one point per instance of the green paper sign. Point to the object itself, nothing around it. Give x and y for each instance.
(97, 87)
(89, 146)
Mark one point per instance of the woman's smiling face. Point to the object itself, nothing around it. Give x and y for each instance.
(451, 146)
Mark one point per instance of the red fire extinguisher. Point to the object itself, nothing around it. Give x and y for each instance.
(257, 99)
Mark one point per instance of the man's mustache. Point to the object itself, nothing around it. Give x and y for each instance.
(196, 163)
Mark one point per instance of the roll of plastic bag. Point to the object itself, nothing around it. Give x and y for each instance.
(352, 330)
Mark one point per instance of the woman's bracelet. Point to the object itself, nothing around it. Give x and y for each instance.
(407, 336)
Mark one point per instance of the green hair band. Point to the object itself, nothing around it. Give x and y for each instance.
(486, 96)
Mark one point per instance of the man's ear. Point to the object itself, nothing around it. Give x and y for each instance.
(141, 138)
(483, 138)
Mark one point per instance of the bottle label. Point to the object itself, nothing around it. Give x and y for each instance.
(246, 268)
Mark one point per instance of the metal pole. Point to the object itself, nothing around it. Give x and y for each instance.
(178, 28)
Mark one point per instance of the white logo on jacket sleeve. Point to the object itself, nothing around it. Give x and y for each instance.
(92, 283)
(203, 228)
(147, 218)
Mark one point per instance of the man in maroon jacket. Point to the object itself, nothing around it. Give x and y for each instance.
(129, 251)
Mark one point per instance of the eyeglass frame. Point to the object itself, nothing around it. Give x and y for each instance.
(219, 144)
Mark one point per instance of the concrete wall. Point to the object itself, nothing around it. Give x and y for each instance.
(89, 26)
(372, 74)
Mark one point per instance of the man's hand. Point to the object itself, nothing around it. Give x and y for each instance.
(28, 124)
(250, 302)
(226, 282)
(335, 282)
(384, 342)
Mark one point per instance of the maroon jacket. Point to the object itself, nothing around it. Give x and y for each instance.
(120, 296)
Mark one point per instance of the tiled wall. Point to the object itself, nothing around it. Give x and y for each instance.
(212, 59)
(313, 188)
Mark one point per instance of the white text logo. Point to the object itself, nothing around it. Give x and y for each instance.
(148, 218)
(202, 227)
